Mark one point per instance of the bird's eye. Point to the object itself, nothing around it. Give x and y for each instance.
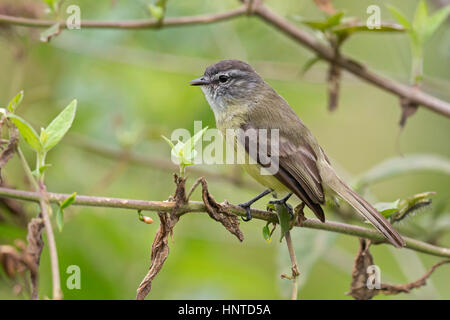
(223, 78)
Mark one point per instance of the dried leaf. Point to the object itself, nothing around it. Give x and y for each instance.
(160, 252)
(364, 259)
(408, 109)
(217, 212)
(406, 288)
(11, 147)
(34, 250)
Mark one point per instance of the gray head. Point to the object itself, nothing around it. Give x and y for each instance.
(228, 82)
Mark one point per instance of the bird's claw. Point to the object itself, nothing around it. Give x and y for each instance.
(246, 206)
(283, 202)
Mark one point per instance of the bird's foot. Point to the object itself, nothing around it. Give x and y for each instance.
(246, 206)
(283, 202)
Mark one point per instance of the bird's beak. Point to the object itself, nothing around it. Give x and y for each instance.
(199, 82)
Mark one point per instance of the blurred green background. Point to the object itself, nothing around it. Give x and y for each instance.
(132, 83)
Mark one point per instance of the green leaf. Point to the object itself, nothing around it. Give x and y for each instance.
(68, 201)
(387, 208)
(419, 24)
(400, 17)
(14, 103)
(156, 12)
(169, 142)
(27, 131)
(435, 21)
(335, 19)
(284, 218)
(53, 4)
(308, 64)
(348, 29)
(266, 233)
(50, 32)
(60, 125)
(60, 213)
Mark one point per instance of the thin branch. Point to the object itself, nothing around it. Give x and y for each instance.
(403, 91)
(45, 210)
(412, 94)
(103, 150)
(197, 206)
(294, 268)
(139, 24)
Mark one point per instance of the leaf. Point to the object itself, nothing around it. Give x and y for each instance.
(60, 125)
(387, 208)
(49, 33)
(156, 12)
(335, 19)
(420, 20)
(27, 131)
(400, 17)
(53, 4)
(284, 218)
(308, 64)
(266, 233)
(14, 103)
(60, 213)
(68, 201)
(435, 21)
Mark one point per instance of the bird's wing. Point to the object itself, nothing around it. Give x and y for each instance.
(297, 161)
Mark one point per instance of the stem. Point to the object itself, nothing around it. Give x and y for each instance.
(27, 169)
(46, 213)
(196, 206)
(295, 272)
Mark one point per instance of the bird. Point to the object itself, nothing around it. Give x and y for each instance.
(242, 101)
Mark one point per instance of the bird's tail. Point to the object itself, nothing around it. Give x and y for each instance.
(365, 209)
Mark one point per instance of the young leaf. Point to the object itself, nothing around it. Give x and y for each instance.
(60, 125)
(400, 17)
(14, 103)
(50, 32)
(387, 208)
(284, 217)
(68, 201)
(436, 20)
(189, 146)
(60, 213)
(27, 131)
(420, 22)
(266, 233)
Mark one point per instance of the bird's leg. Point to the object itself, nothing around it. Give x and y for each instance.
(247, 205)
(283, 202)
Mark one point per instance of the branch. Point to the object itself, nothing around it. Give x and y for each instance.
(139, 24)
(412, 94)
(196, 206)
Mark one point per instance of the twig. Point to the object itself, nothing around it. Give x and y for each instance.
(197, 206)
(103, 150)
(294, 268)
(44, 203)
(403, 91)
(326, 53)
(139, 24)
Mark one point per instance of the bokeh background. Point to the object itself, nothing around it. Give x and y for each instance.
(132, 87)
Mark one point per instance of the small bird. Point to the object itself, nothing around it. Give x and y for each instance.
(241, 99)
